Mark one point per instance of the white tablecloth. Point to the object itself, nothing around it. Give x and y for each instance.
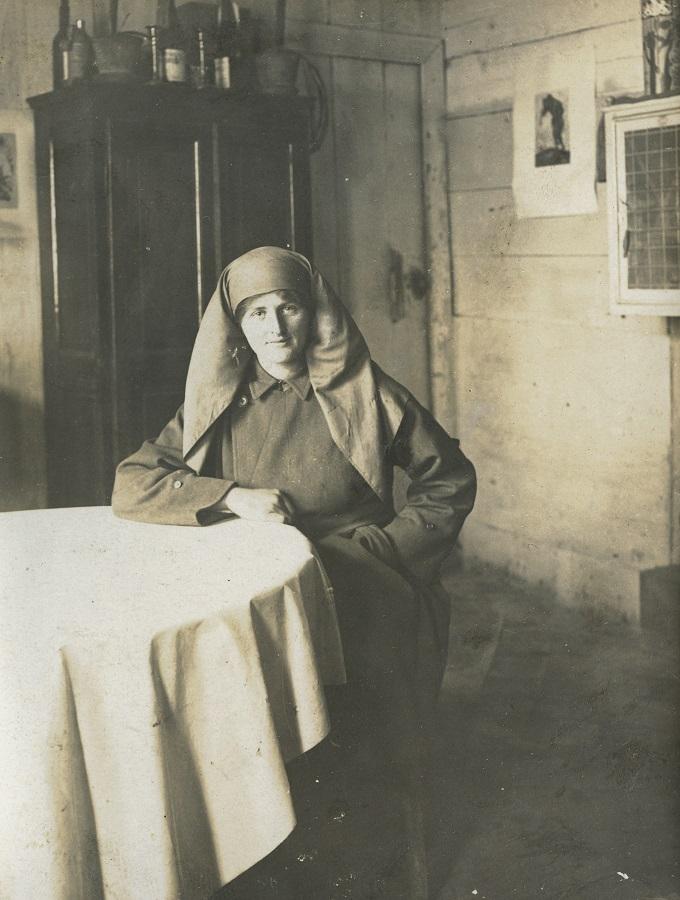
(153, 681)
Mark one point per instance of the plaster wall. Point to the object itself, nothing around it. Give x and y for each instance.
(25, 68)
(564, 408)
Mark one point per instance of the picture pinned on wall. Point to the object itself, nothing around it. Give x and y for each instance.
(552, 129)
(17, 175)
(8, 171)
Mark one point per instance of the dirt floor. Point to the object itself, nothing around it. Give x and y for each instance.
(557, 762)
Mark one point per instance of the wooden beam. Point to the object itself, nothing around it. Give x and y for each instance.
(674, 329)
(437, 238)
(508, 23)
(358, 43)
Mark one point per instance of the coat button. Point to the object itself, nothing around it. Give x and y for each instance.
(242, 401)
(177, 484)
(430, 526)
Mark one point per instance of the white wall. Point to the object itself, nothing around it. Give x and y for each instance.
(25, 68)
(564, 408)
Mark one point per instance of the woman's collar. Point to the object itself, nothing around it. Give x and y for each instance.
(261, 382)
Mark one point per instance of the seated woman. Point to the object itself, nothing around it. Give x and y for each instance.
(287, 419)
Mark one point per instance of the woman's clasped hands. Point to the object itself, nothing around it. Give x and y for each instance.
(259, 505)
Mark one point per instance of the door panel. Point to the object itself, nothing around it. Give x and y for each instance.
(377, 219)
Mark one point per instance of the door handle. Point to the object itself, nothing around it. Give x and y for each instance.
(418, 283)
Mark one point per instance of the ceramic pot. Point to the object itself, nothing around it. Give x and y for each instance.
(118, 56)
(277, 71)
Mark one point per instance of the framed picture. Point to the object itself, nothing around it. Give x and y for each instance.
(9, 190)
(554, 130)
(17, 174)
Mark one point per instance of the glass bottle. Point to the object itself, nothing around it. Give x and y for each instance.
(152, 64)
(199, 61)
(227, 43)
(80, 54)
(174, 49)
(244, 77)
(60, 46)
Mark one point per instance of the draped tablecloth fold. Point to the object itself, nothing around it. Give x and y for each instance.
(154, 681)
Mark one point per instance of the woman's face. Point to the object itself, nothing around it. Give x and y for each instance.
(276, 326)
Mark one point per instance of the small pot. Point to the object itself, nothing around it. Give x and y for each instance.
(277, 71)
(118, 56)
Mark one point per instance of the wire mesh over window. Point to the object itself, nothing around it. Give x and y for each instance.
(653, 207)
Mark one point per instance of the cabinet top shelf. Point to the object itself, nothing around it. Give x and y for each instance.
(133, 98)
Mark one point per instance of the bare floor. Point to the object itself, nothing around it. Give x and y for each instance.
(557, 764)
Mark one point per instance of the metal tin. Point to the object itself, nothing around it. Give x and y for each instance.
(174, 64)
(223, 73)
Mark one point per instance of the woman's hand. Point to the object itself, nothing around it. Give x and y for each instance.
(259, 505)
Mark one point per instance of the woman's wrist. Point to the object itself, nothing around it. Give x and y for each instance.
(257, 504)
(222, 504)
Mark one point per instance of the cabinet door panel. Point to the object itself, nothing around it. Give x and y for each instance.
(256, 191)
(79, 462)
(155, 247)
(77, 307)
(159, 229)
(169, 272)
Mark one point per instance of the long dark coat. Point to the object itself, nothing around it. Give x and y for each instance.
(392, 611)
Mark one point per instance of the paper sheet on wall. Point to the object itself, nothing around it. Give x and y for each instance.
(554, 130)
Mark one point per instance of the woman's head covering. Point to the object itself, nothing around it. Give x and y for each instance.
(264, 270)
(338, 361)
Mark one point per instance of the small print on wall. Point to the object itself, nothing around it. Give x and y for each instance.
(17, 175)
(552, 129)
(8, 171)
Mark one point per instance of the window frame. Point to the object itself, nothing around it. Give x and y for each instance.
(620, 120)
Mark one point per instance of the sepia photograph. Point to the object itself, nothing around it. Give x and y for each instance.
(8, 170)
(552, 129)
(339, 450)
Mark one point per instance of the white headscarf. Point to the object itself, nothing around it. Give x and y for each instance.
(338, 362)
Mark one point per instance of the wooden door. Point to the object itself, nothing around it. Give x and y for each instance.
(379, 184)
(379, 212)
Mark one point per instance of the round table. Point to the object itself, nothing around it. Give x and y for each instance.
(154, 680)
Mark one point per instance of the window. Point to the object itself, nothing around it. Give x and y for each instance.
(643, 189)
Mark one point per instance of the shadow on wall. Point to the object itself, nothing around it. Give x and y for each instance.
(21, 425)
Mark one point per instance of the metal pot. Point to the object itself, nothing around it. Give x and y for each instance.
(277, 71)
(118, 56)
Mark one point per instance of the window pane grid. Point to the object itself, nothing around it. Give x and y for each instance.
(653, 206)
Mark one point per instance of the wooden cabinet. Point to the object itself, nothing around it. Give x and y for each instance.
(145, 192)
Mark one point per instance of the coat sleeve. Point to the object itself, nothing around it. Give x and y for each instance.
(156, 485)
(440, 495)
